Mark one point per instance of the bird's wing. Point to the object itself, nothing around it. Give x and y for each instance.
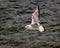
(36, 15)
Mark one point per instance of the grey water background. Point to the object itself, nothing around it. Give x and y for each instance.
(15, 14)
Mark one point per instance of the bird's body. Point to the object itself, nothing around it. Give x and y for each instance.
(35, 23)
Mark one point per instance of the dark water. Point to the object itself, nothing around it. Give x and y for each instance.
(15, 15)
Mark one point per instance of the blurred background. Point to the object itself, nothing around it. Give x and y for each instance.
(15, 14)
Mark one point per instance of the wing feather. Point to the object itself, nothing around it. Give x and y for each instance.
(36, 14)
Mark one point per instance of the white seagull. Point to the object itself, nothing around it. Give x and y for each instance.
(35, 21)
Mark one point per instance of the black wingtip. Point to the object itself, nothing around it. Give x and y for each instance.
(38, 11)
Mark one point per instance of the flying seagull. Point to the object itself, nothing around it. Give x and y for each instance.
(35, 21)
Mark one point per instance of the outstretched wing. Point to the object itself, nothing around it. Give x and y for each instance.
(36, 14)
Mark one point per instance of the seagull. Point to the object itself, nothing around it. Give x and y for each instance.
(35, 21)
